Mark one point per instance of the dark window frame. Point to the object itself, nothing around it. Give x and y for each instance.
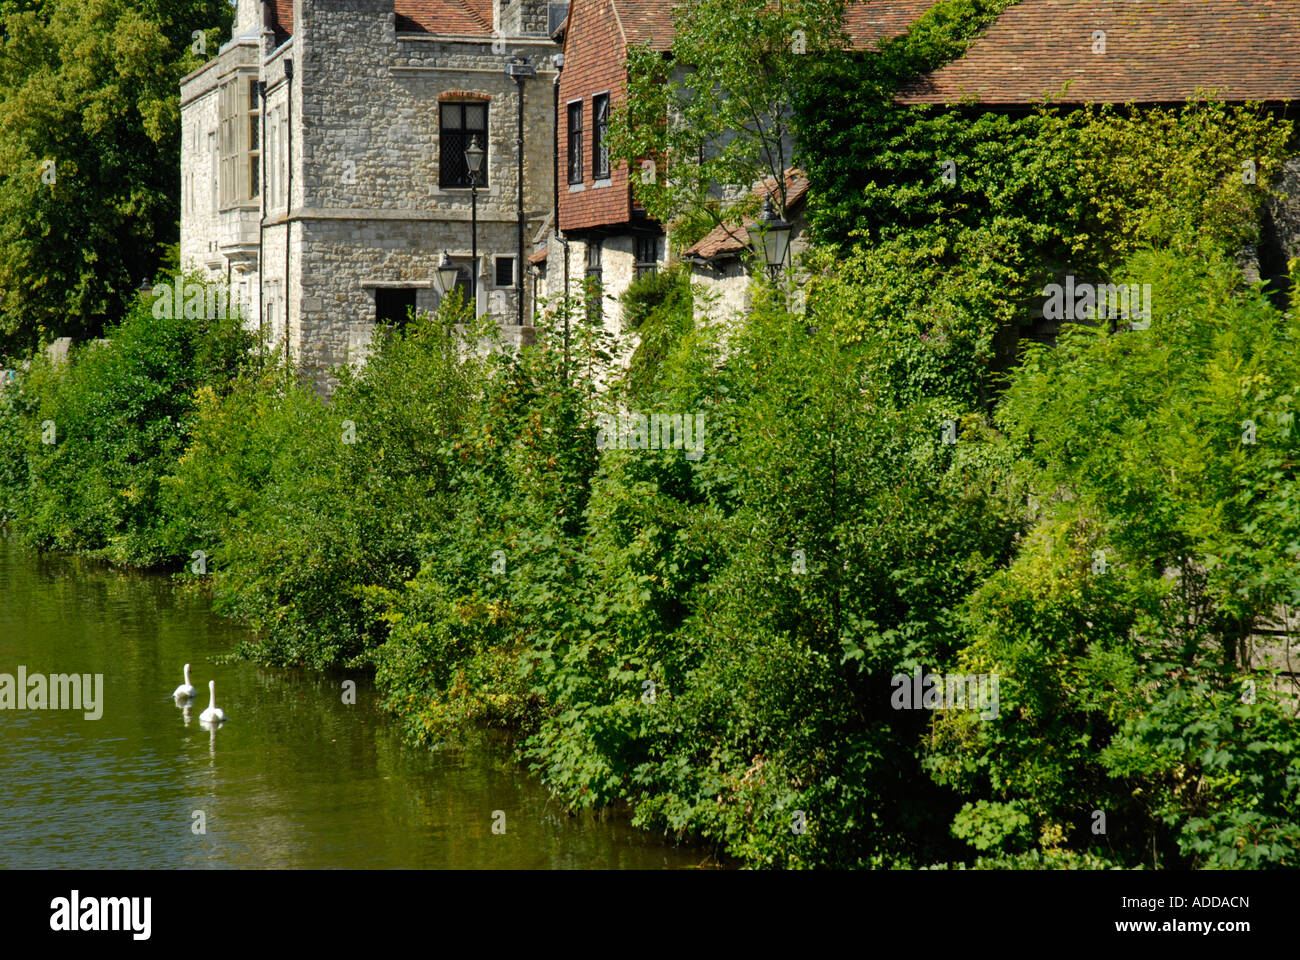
(255, 179)
(453, 173)
(575, 142)
(595, 270)
(600, 137)
(496, 270)
(642, 265)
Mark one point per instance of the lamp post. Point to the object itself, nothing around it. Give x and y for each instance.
(448, 273)
(770, 234)
(518, 69)
(474, 162)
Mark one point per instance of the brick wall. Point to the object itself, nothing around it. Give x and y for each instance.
(595, 62)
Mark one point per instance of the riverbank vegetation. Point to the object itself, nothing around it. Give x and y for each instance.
(1102, 521)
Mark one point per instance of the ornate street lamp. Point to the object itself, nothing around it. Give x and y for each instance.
(448, 274)
(474, 163)
(770, 234)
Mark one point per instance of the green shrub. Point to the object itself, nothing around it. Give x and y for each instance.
(1164, 537)
(305, 505)
(647, 294)
(118, 415)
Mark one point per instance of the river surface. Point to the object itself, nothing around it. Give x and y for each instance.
(295, 777)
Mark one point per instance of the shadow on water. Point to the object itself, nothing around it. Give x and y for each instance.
(295, 777)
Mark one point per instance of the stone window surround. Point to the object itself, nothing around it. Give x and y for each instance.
(463, 193)
(463, 96)
(236, 152)
(395, 284)
(253, 205)
(503, 256)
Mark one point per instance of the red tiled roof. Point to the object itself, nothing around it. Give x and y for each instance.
(647, 22)
(445, 16)
(459, 17)
(643, 21)
(866, 21)
(869, 21)
(730, 238)
(1157, 51)
(283, 13)
(538, 256)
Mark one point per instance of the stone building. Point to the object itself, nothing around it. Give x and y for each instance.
(323, 169)
(720, 261)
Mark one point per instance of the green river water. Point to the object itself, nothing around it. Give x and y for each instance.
(295, 778)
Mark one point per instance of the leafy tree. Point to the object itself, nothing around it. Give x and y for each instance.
(89, 155)
(88, 443)
(717, 117)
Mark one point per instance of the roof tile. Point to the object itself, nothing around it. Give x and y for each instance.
(866, 22)
(457, 17)
(731, 238)
(1156, 51)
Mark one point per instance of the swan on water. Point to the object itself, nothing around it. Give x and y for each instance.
(186, 690)
(214, 713)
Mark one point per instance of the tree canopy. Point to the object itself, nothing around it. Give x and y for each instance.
(90, 154)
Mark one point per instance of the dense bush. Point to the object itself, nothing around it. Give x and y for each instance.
(660, 307)
(87, 442)
(1166, 533)
(648, 293)
(303, 505)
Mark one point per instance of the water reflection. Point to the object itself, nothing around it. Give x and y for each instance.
(301, 779)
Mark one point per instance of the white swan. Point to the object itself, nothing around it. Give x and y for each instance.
(214, 713)
(186, 690)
